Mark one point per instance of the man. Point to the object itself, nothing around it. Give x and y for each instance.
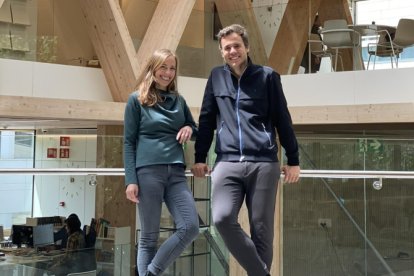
(245, 104)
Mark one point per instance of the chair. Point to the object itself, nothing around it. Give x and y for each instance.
(336, 35)
(388, 46)
(317, 49)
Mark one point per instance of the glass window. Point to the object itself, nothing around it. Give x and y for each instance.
(16, 151)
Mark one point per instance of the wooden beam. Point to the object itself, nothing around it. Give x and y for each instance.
(292, 36)
(165, 30)
(353, 114)
(241, 12)
(20, 107)
(113, 44)
(60, 109)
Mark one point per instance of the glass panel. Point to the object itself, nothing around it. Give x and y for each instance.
(16, 151)
(349, 226)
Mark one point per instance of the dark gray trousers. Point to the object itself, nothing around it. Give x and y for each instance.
(255, 182)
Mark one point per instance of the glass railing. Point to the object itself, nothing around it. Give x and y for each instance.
(350, 214)
(348, 223)
(60, 191)
(343, 222)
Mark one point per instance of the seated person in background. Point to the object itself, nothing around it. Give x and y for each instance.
(61, 236)
(73, 260)
(76, 240)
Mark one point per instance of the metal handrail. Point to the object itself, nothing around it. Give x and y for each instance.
(121, 171)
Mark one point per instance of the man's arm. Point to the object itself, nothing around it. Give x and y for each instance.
(207, 125)
(282, 120)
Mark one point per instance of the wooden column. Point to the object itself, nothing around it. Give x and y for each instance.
(241, 12)
(292, 36)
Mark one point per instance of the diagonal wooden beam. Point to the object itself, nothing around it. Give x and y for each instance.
(113, 45)
(241, 12)
(120, 62)
(291, 39)
(165, 29)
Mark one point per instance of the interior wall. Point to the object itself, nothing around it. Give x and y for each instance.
(36, 79)
(61, 195)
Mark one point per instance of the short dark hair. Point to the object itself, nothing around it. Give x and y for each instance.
(235, 28)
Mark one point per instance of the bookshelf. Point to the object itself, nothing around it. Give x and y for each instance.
(113, 251)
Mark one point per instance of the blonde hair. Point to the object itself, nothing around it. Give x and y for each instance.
(148, 94)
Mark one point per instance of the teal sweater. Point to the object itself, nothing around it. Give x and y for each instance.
(150, 133)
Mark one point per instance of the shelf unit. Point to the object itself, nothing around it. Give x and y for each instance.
(113, 252)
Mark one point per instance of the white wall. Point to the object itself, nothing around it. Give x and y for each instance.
(340, 88)
(74, 191)
(350, 88)
(35, 79)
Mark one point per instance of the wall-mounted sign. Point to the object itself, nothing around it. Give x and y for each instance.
(64, 153)
(65, 141)
(51, 152)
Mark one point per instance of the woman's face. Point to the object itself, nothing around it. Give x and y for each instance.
(165, 74)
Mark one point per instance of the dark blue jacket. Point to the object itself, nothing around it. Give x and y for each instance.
(246, 113)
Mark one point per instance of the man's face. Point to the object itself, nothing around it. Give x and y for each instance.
(233, 51)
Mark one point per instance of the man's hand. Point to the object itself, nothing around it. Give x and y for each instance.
(200, 169)
(291, 173)
(132, 192)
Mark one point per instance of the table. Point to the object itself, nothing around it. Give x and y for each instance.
(372, 30)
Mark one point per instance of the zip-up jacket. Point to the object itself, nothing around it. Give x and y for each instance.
(246, 113)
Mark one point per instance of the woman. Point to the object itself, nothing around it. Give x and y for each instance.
(76, 240)
(74, 259)
(157, 124)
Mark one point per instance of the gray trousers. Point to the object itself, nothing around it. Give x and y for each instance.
(168, 183)
(255, 182)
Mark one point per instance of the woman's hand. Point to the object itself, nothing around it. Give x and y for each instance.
(184, 134)
(132, 192)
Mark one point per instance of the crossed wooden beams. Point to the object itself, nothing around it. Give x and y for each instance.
(122, 64)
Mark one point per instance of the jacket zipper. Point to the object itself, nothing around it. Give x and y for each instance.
(268, 136)
(238, 123)
(238, 113)
(221, 127)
